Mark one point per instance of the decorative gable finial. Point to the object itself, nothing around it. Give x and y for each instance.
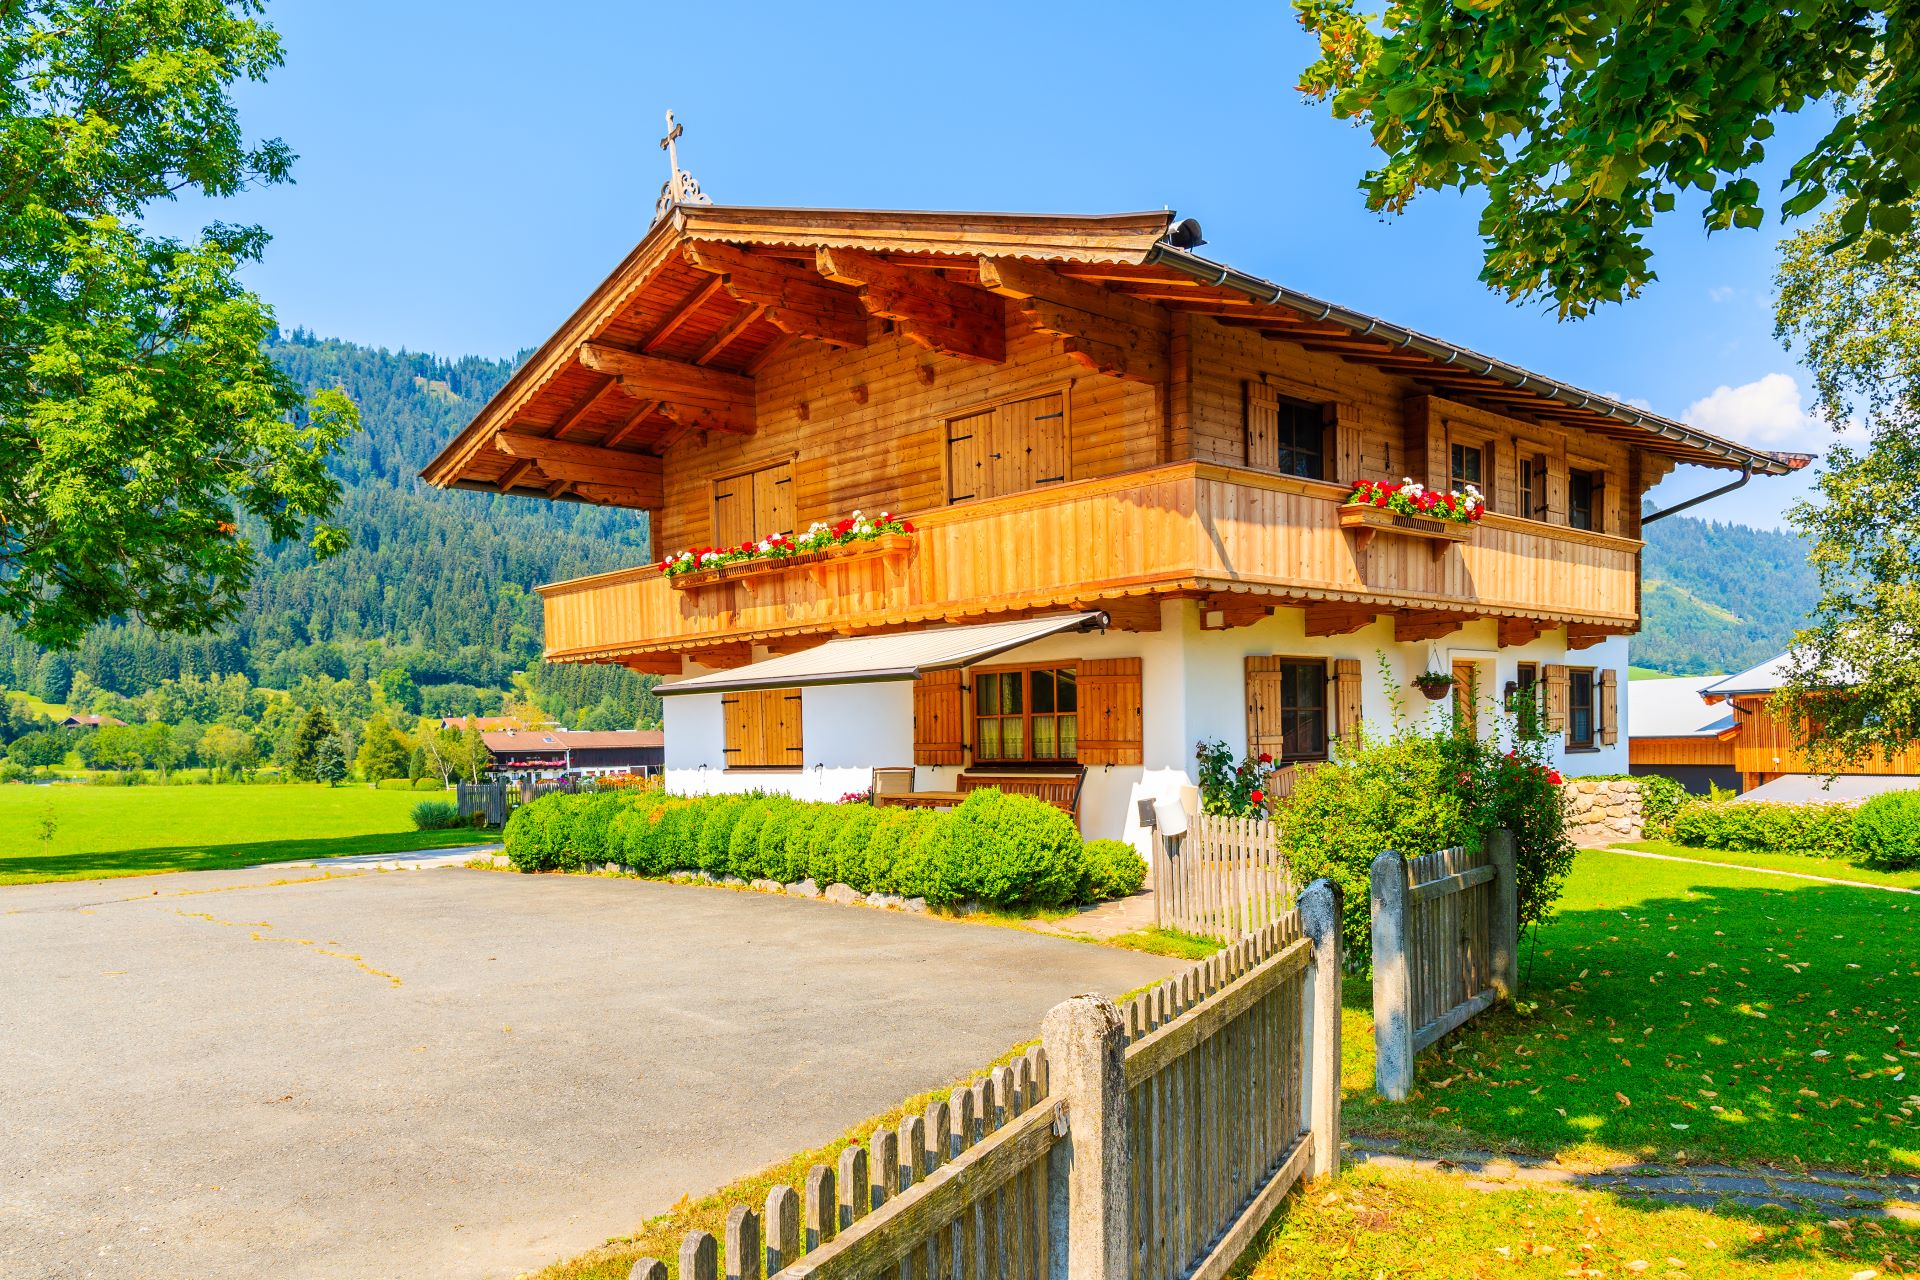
(681, 187)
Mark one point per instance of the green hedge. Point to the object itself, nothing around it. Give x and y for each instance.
(1005, 851)
(1811, 830)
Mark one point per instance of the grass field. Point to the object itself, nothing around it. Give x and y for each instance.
(1831, 868)
(1371, 1223)
(128, 831)
(1679, 1012)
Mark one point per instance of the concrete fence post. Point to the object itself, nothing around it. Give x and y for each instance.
(1504, 917)
(1392, 979)
(1086, 1043)
(1320, 912)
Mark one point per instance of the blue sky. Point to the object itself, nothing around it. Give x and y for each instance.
(469, 171)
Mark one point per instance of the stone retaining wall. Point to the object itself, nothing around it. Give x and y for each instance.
(1603, 811)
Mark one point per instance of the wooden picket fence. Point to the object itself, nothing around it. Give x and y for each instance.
(1225, 878)
(1445, 934)
(1144, 1143)
(488, 799)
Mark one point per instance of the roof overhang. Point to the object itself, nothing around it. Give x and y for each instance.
(903, 655)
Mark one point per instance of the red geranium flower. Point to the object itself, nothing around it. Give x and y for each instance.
(1266, 757)
(1258, 796)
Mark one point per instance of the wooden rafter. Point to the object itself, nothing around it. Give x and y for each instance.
(729, 332)
(796, 301)
(588, 404)
(680, 315)
(620, 434)
(927, 309)
(1426, 624)
(631, 473)
(1581, 636)
(1337, 619)
(1518, 631)
(514, 474)
(724, 401)
(1083, 316)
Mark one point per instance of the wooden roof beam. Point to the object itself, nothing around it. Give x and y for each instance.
(1518, 631)
(720, 341)
(929, 310)
(620, 434)
(571, 419)
(1580, 636)
(1089, 320)
(725, 398)
(514, 474)
(681, 314)
(1337, 619)
(559, 460)
(796, 301)
(1426, 624)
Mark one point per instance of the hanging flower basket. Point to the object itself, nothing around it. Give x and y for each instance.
(1435, 684)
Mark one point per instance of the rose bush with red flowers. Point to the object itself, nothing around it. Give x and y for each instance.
(1232, 788)
(779, 546)
(1410, 499)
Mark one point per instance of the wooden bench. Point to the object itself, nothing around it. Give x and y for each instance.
(1061, 790)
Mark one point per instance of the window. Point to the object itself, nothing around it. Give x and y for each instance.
(1582, 488)
(1288, 436)
(753, 505)
(1580, 709)
(1287, 708)
(1027, 714)
(1533, 487)
(1007, 448)
(762, 729)
(1468, 467)
(1525, 700)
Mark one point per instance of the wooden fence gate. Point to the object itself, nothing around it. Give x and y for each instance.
(1223, 879)
(1445, 937)
(489, 799)
(1144, 1143)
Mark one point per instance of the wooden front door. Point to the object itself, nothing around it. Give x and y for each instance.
(1465, 713)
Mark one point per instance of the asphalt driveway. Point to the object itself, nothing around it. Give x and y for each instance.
(286, 1074)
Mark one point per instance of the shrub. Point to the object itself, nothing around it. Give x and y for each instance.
(393, 784)
(713, 845)
(822, 858)
(436, 815)
(1886, 830)
(852, 839)
(1114, 870)
(1661, 799)
(924, 865)
(428, 784)
(1015, 851)
(1811, 830)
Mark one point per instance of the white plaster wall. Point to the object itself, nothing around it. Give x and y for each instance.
(846, 729)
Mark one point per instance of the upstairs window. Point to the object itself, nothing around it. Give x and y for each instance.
(753, 505)
(1468, 466)
(1533, 487)
(1583, 488)
(1287, 708)
(1007, 448)
(1288, 436)
(1026, 715)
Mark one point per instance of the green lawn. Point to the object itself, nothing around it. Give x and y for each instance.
(1832, 868)
(1371, 1223)
(129, 831)
(1685, 1012)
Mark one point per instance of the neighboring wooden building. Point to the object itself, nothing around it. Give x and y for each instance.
(1095, 430)
(1677, 733)
(1763, 746)
(551, 752)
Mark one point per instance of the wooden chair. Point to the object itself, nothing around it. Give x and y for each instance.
(1061, 790)
(891, 780)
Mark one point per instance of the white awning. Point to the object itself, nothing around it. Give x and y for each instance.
(901, 656)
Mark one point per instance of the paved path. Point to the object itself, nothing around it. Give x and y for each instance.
(1762, 871)
(1701, 1186)
(302, 1074)
(411, 860)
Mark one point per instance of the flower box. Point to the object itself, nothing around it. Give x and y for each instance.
(887, 544)
(1363, 522)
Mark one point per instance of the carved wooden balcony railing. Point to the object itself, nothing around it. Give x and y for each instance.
(1188, 527)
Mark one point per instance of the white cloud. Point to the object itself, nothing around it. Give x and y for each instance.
(1769, 413)
(1723, 293)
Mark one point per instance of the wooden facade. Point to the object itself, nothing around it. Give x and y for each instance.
(1073, 414)
(1764, 748)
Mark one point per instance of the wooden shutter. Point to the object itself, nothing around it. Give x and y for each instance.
(1554, 676)
(1346, 698)
(763, 729)
(967, 442)
(940, 718)
(1262, 425)
(732, 511)
(1344, 445)
(1263, 706)
(773, 501)
(1110, 698)
(1607, 694)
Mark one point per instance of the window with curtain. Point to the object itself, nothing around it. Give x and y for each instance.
(1026, 715)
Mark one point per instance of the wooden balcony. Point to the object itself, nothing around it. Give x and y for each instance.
(1187, 528)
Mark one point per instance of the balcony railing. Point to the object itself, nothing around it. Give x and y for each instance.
(1190, 527)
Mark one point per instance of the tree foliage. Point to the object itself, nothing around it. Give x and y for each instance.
(1855, 317)
(140, 416)
(1585, 122)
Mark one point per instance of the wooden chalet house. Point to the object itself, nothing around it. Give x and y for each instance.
(1124, 465)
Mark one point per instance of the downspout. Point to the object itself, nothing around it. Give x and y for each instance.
(1708, 496)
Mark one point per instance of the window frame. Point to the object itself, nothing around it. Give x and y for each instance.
(1026, 715)
(1294, 418)
(1595, 484)
(1323, 682)
(1532, 476)
(1575, 677)
(1483, 451)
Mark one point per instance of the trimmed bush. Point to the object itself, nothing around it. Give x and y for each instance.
(1007, 851)
(429, 784)
(1114, 870)
(1886, 830)
(394, 784)
(1015, 851)
(1811, 830)
(436, 815)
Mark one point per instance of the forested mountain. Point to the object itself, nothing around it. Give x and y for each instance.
(1720, 597)
(436, 583)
